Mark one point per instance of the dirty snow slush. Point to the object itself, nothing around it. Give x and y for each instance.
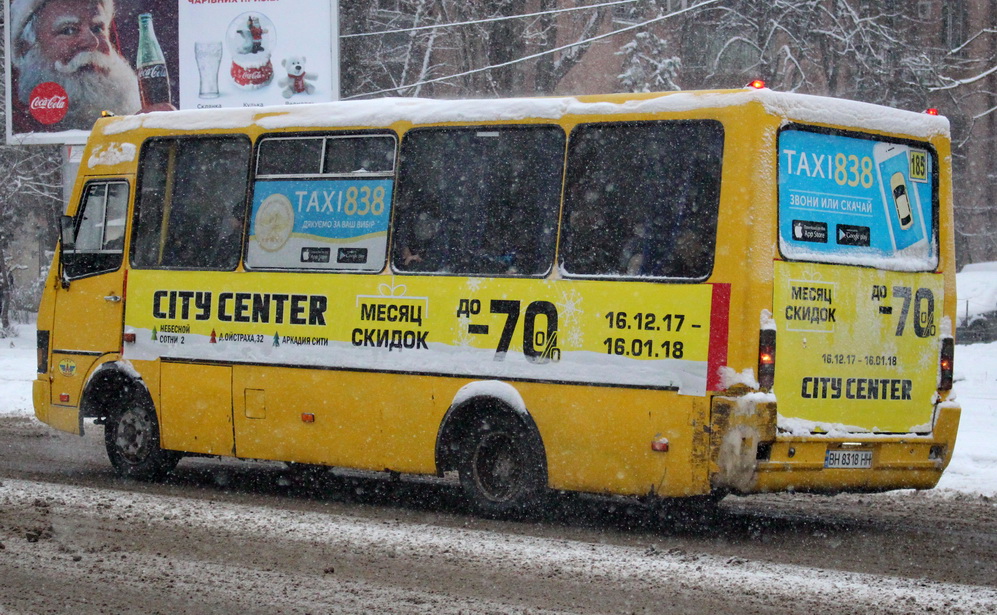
(223, 537)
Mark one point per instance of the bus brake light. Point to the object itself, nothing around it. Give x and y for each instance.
(946, 363)
(766, 359)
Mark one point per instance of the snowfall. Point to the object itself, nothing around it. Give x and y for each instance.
(973, 468)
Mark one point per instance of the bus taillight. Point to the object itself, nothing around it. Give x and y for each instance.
(946, 362)
(43, 337)
(766, 359)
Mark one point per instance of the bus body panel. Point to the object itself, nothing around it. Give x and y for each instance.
(198, 418)
(334, 417)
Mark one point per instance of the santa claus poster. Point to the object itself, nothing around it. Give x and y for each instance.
(70, 61)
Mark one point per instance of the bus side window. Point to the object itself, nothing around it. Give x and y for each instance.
(478, 200)
(322, 202)
(641, 199)
(191, 203)
(100, 231)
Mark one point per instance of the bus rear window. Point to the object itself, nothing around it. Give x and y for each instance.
(478, 201)
(641, 199)
(857, 200)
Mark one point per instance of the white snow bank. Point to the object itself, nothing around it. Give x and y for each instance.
(18, 359)
(986, 266)
(976, 290)
(974, 463)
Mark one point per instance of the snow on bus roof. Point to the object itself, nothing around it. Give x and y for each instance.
(385, 111)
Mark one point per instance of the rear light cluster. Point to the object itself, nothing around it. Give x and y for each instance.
(43, 340)
(946, 363)
(766, 359)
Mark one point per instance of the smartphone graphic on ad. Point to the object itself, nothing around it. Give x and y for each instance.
(901, 201)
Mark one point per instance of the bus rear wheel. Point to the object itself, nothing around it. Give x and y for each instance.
(131, 436)
(501, 470)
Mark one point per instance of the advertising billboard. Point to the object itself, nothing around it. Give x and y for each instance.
(852, 200)
(70, 60)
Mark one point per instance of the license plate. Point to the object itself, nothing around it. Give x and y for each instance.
(848, 459)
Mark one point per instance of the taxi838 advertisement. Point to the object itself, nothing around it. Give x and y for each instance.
(661, 336)
(856, 200)
(319, 224)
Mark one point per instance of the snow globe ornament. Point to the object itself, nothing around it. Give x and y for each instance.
(250, 40)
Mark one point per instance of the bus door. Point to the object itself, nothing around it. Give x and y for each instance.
(89, 302)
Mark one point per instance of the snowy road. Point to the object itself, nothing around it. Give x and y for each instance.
(226, 537)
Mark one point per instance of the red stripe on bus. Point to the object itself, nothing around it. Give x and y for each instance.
(719, 323)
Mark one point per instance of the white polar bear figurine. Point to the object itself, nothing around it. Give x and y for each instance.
(244, 43)
(297, 80)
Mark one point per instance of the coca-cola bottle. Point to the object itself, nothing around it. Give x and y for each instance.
(153, 78)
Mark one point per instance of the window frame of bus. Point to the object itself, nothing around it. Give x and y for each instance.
(322, 175)
(881, 261)
(707, 222)
(238, 213)
(406, 214)
(102, 260)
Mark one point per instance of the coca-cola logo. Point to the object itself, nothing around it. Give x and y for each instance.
(152, 71)
(48, 103)
(252, 76)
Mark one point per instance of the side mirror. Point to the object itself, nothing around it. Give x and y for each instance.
(68, 233)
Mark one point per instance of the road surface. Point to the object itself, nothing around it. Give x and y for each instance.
(252, 538)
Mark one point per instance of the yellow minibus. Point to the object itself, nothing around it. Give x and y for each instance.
(657, 295)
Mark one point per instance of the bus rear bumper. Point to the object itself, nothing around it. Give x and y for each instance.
(41, 398)
(63, 418)
(897, 461)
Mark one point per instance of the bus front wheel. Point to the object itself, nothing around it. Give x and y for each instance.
(501, 470)
(131, 436)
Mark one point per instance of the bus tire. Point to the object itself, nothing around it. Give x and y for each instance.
(501, 469)
(131, 436)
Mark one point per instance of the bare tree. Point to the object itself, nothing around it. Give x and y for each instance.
(453, 48)
(856, 49)
(968, 68)
(30, 203)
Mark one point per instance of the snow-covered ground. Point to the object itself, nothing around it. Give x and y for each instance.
(973, 468)
(977, 291)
